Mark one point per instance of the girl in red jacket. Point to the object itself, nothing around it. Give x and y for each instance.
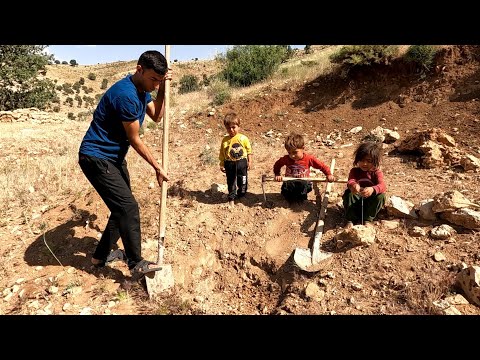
(365, 180)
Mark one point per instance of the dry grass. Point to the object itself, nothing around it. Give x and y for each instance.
(36, 167)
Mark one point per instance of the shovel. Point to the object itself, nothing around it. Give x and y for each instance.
(315, 259)
(162, 279)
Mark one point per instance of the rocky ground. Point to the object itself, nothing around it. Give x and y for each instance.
(240, 260)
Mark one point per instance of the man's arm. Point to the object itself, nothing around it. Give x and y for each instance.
(132, 129)
(156, 108)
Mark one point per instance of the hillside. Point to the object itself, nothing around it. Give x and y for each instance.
(239, 260)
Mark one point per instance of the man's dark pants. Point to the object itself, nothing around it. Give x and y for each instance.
(112, 182)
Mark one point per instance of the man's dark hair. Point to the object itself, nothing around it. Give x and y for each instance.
(369, 148)
(294, 141)
(153, 59)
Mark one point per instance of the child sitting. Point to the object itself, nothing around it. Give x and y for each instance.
(298, 164)
(365, 180)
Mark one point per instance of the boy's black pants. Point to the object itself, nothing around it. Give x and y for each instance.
(296, 190)
(112, 182)
(237, 177)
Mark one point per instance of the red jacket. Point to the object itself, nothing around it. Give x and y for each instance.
(367, 178)
(300, 168)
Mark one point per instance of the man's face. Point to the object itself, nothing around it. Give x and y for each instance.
(151, 80)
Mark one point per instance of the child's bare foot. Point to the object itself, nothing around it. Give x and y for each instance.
(231, 203)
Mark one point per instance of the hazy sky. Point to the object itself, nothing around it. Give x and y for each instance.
(100, 54)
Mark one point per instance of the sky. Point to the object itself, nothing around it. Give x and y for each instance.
(101, 54)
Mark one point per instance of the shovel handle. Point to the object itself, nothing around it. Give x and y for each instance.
(163, 199)
(285, 178)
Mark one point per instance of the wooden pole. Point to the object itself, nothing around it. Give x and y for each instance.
(321, 223)
(163, 199)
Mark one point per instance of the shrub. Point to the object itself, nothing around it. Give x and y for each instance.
(249, 64)
(219, 91)
(364, 55)
(152, 125)
(73, 62)
(76, 87)
(81, 81)
(68, 101)
(205, 80)
(104, 84)
(89, 101)
(422, 55)
(208, 156)
(92, 76)
(188, 83)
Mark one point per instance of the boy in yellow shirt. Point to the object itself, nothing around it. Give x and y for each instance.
(235, 158)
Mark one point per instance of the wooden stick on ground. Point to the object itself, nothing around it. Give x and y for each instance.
(321, 217)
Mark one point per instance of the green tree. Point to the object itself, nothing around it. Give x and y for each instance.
(20, 85)
(248, 64)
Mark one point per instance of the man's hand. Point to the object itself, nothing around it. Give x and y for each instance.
(331, 178)
(169, 74)
(278, 177)
(161, 176)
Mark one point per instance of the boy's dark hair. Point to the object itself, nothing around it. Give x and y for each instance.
(294, 141)
(153, 59)
(231, 119)
(369, 148)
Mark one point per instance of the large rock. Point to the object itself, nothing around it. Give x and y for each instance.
(442, 232)
(425, 210)
(470, 162)
(467, 218)
(357, 235)
(398, 207)
(413, 142)
(449, 201)
(469, 281)
(433, 154)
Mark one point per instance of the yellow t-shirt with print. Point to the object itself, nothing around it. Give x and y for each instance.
(234, 148)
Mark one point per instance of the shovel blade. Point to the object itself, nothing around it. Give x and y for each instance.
(159, 281)
(304, 260)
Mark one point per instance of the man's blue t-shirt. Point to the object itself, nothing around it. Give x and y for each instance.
(106, 137)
